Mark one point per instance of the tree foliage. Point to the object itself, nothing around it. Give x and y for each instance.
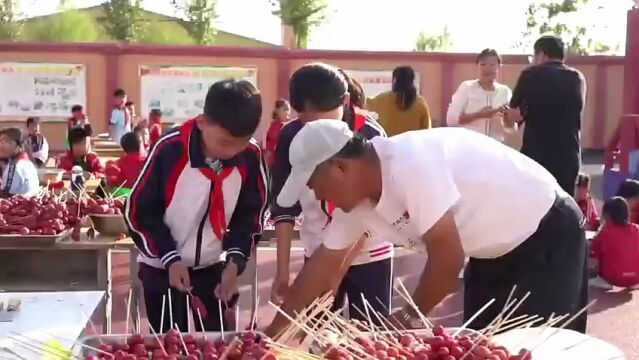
(200, 15)
(441, 41)
(556, 17)
(10, 23)
(157, 32)
(123, 20)
(302, 16)
(70, 25)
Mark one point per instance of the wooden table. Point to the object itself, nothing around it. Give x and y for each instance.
(45, 315)
(68, 265)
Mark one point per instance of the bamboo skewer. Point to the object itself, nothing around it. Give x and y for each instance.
(162, 314)
(157, 338)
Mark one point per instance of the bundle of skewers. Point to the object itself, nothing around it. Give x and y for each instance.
(318, 333)
(334, 338)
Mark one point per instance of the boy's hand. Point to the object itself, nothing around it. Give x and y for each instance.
(179, 277)
(279, 289)
(228, 282)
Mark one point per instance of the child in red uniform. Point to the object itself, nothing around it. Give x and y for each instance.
(124, 172)
(616, 247)
(80, 154)
(281, 114)
(629, 190)
(586, 202)
(79, 118)
(155, 126)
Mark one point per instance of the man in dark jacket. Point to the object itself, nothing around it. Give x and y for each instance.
(549, 98)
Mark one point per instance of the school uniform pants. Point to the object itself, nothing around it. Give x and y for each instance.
(156, 285)
(374, 281)
(550, 264)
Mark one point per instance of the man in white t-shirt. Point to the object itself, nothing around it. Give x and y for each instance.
(451, 193)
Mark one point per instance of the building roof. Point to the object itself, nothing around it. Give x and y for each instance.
(167, 28)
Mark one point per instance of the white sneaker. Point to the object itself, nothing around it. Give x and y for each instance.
(600, 283)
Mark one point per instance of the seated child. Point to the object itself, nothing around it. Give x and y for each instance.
(586, 202)
(19, 175)
(79, 118)
(124, 172)
(155, 126)
(629, 190)
(80, 154)
(616, 247)
(196, 211)
(141, 130)
(35, 143)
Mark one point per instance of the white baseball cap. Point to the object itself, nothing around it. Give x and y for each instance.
(315, 143)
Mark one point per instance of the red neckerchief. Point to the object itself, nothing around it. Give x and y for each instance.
(21, 156)
(217, 214)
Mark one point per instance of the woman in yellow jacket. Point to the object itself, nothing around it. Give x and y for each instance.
(401, 109)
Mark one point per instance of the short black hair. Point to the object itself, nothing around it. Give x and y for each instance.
(130, 142)
(551, 46)
(629, 188)
(235, 105)
(616, 210)
(355, 148)
(129, 103)
(13, 133)
(317, 86)
(77, 134)
(119, 92)
(583, 180)
(488, 53)
(33, 120)
(75, 108)
(156, 112)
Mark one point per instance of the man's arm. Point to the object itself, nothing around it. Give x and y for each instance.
(445, 261)
(308, 285)
(144, 213)
(333, 257)
(245, 227)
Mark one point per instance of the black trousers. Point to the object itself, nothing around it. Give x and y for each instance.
(374, 281)
(550, 264)
(156, 284)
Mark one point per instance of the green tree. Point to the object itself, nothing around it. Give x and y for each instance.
(70, 25)
(123, 20)
(302, 16)
(157, 32)
(200, 15)
(438, 42)
(555, 17)
(10, 23)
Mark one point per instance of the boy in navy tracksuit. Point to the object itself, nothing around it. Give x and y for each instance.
(196, 210)
(319, 91)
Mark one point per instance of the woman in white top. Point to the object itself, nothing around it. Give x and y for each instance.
(479, 104)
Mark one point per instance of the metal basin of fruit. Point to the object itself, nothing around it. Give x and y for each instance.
(109, 225)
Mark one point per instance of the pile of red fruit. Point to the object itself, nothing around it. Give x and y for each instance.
(247, 346)
(106, 206)
(36, 216)
(440, 346)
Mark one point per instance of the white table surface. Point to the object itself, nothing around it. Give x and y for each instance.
(551, 343)
(64, 314)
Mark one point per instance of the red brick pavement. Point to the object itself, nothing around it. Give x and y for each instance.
(615, 318)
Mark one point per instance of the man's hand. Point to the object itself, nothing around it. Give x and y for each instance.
(228, 282)
(279, 289)
(407, 318)
(179, 277)
(512, 116)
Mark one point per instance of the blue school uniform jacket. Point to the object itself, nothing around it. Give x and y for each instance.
(186, 207)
